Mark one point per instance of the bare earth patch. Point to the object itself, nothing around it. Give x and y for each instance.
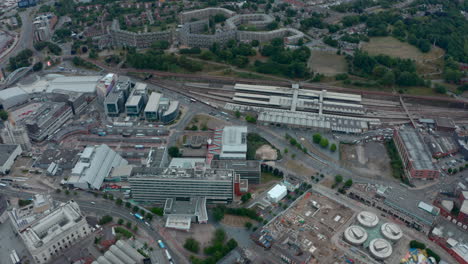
(237, 221)
(266, 152)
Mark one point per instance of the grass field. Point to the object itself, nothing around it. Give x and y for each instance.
(327, 63)
(426, 62)
(268, 177)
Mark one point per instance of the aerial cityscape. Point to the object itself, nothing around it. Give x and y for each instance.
(233, 132)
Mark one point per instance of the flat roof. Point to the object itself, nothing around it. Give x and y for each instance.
(185, 163)
(234, 139)
(153, 102)
(133, 100)
(445, 122)
(6, 151)
(418, 153)
(182, 174)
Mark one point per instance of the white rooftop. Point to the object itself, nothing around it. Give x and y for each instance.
(234, 141)
(153, 102)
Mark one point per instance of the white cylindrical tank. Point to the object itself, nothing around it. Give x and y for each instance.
(380, 248)
(391, 231)
(367, 219)
(355, 235)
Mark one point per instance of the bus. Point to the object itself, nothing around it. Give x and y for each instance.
(169, 257)
(138, 216)
(139, 147)
(3, 185)
(161, 244)
(101, 134)
(14, 257)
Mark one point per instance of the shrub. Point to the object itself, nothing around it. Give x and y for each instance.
(105, 220)
(192, 245)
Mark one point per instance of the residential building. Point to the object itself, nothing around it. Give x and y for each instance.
(155, 185)
(8, 155)
(124, 38)
(179, 214)
(414, 154)
(48, 228)
(94, 166)
(234, 143)
(13, 134)
(47, 120)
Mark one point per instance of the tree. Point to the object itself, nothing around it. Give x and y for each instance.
(237, 114)
(333, 147)
(324, 142)
(255, 43)
(37, 66)
(250, 119)
(338, 178)
(157, 211)
(248, 225)
(449, 170)
(3, 115)
(149, 216)
(120, 222)
(119, 202)
(128, 204)
(128, 225)
(417, 244)
(135, 209)
(440, 89)
(192, 245)
(388, 78)
(93, 54)
(348, 183)
(67, 192)
(316, 138)
(105, 219)
(174, 152)
(246, 197)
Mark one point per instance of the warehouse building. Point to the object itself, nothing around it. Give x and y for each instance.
(415, 155)
(277, 193)
(48, 228)
(155, 185)
(8, 155)
(94, 165)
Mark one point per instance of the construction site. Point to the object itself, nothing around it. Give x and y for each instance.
(304, 232)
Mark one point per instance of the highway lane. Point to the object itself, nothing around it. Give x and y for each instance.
(106, 207)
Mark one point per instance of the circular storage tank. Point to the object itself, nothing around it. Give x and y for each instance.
(355, 235)
(391, 231)
(380, 248)
(367, 219)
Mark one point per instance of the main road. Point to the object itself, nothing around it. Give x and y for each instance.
(106, 207)
(25, 40)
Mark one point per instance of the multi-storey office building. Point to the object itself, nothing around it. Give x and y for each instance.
(155, 185)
